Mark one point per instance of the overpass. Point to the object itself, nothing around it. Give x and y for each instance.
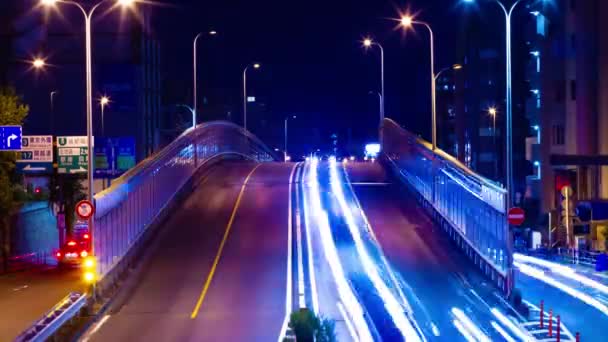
(212, 239)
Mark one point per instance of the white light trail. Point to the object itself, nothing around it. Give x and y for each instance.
(563, 271)
(288, 304)
(301, 288)
(392, 305)
(470, 326)
(351, 304)
(463, 331)
(502, 332)
(509, 324)
(540, 275)
(311, 264)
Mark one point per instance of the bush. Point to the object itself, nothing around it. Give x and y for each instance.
(310, 328)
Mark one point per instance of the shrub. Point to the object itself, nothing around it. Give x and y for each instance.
(310, 328)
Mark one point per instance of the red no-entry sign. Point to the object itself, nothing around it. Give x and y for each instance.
(85, 209)
(516, 216)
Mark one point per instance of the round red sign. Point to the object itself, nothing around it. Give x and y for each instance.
(516, 216)
(85, 209)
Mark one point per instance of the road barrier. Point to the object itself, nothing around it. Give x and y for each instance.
(469, 207)
(47, 326)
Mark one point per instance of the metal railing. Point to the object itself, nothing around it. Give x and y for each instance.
(470, 208)
(125, 210)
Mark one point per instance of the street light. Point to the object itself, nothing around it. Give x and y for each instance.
(103, 102)
(368, 43)
(53, 93)
(407, 22)
(509, 100)
(89, 85)
(492, 111)
(454, 67)
(39, 63)
(195, 62)
(285, 150)
(255, 66)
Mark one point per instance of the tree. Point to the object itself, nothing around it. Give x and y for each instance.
(308, 327)
(12, 112)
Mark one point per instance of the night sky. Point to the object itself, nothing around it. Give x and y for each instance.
(313, 63)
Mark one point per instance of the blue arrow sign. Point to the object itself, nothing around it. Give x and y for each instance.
(10, 138)
(36, 168)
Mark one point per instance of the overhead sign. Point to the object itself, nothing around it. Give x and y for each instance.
(114, 156)
(516, 216)
(10, 138)
(85, 209)
(250, 98)
(72, 154)
(36, 154)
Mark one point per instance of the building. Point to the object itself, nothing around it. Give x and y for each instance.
(574, 113)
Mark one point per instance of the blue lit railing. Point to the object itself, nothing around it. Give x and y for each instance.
(471, 209)
(135, 200)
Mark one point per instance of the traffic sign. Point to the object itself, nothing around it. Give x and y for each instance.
(516, 216)
(36, 154)
(114, 156)
(85, 209)
(72, 154)
(10, 138)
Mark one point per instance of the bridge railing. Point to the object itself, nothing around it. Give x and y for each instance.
(470, 208)
(125, 210)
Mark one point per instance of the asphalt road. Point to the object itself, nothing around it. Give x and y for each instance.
(26, 296)
(245, 298)
(435, 277)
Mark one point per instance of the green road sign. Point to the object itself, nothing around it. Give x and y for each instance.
(72, 155)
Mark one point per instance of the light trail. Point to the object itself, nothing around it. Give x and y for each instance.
(470, 326)
(540, 275)
(509, 324)
(311, 264)
(392, 305)
(502, 332)
(563, 271)
(463, 331)
(347, 297)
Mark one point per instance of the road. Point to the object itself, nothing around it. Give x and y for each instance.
(435, 277)
(219, 270)
(26, 296)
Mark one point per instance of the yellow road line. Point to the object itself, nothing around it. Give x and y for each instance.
(219, 252)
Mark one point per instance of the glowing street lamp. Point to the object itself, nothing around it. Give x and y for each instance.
(368, 43)
(195, 63)
(492, 111)
(103, 102)
(39, 63)
(408, 22)
(255, 66)
(88, 14)
(285, 155)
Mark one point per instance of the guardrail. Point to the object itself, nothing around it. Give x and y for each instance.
(565, 255)
(141, 198)
(133, 202)
(469, 207)
(52, 321)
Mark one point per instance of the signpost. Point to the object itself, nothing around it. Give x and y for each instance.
(36, 155)
(114, 156)
(10, 138)
(72, 154)
(85, 210)
(516, 216)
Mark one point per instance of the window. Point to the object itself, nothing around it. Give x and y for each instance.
(559, 91)
(558, 135)
(573, 90)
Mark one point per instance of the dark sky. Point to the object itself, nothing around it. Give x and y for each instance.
(313, 63)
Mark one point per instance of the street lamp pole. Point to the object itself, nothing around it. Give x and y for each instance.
(379, 102)
(53, 93)
(255, 66)
(509, 101)
(89, 90)
(285, 149)
(103, 103)
(406, 22)
(194, 74)
(368, 43)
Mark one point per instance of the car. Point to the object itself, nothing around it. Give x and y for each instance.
(74, 251)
